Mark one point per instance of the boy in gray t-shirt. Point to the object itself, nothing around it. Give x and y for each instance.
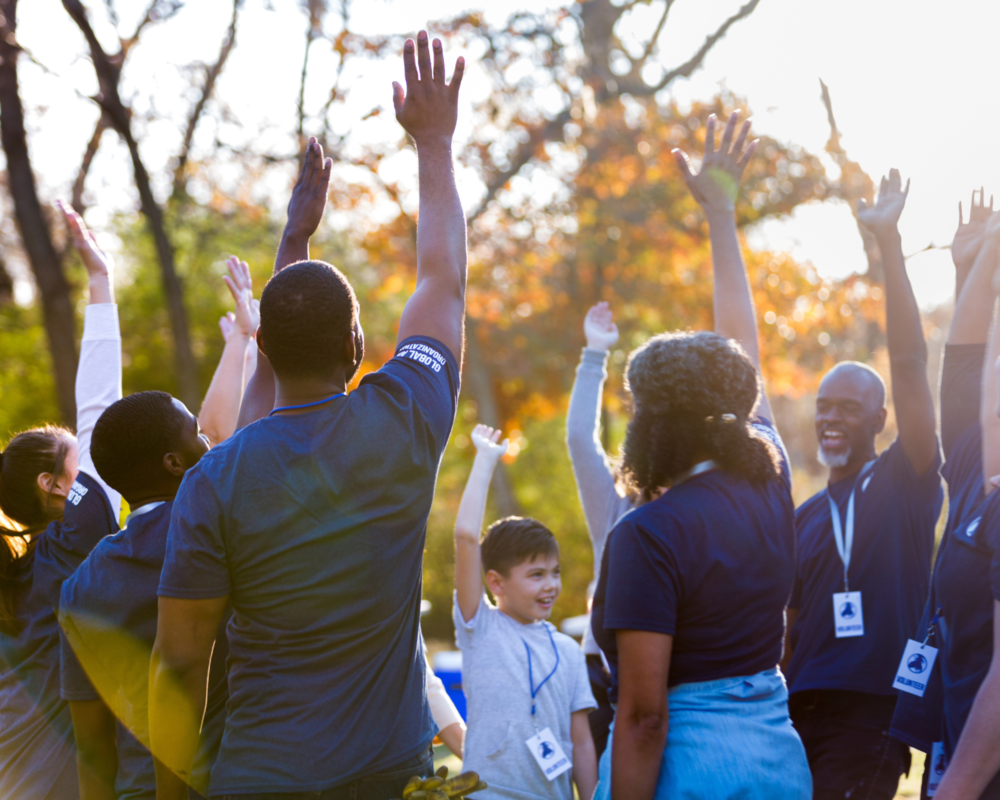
(527, 686)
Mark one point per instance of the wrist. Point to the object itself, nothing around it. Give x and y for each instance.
(295, 236)
(719, 213)
(600, 348)
(888, 234)
(437, 142)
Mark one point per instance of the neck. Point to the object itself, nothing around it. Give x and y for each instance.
(300, 391)
(851, 467)
(162, 495)
(505, 609)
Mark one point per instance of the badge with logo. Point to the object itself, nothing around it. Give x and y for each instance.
(915, 668)
(935, 767)
(847, 617)
(549, 754)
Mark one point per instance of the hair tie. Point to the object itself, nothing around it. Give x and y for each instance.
(727, 419)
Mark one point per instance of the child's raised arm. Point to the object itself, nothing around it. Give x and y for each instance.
(469, 522)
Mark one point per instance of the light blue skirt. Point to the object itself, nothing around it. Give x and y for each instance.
(730, 738)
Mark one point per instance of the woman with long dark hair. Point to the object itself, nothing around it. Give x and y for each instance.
(689, 609)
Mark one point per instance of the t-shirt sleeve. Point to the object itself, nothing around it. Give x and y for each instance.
(583, 696)
(922, 489)
(195, 566)
(74, 684)
(430, 373)
(961, 388)
(467, 632)
(765, 429)
(644, 588)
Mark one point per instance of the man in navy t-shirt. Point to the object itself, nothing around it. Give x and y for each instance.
(312, 520)
(864, 546)
(142, 446)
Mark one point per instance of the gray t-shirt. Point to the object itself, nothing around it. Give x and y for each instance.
(496, 684)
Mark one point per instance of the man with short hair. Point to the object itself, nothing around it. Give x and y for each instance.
(313, 519)
(864, 545)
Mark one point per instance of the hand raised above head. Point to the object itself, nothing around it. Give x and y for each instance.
(969, 235)
(717, 184)
(884, 215)
(308, 201)
(428, 109)
(599, 327)
(97, 262)
(246, 318)
(487, 442)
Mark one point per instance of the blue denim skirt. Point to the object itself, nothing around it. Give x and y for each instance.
(730, 738)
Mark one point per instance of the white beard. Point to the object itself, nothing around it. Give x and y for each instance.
(833, 462)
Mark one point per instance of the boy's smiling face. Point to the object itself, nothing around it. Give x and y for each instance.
(529, 590)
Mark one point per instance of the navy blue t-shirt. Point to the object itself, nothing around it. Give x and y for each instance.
(108, 617)
(711, 562)
(37, 751)
(895, 512)
(314, 525)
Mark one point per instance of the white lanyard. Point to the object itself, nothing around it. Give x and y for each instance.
(697, 469)
(143, 510)
(845, 539)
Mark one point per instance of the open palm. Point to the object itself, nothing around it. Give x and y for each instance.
(891, 198)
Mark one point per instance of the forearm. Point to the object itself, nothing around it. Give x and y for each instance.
(100, 289)
(733, 307)
(971, 321)
(472, 509)
(904, 332)
(454, 738)
(988, 419)
(637, 750)
(177, 699)
(221, 408)
(977, 757)
(441, 235)
(585, 768)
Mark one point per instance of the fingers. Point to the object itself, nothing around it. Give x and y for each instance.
(398, 97)
(233, 290)
(424, 56)
(410, 65)
(456, 79)
(738, 147)
(685, 165)
(495, 437)
(323, 184)
(438, 62)
(710, 135)
(906, 191)
(895, 181)
(960, 223)
(745, 158)
(727, 135)
(862, 206)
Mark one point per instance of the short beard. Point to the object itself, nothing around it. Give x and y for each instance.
(833, 462)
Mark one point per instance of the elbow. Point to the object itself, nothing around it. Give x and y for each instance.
(647, 728)
(464, 535)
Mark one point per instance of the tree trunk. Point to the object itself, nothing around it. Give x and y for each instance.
(478, 381)
(57, 306)
(108, 71)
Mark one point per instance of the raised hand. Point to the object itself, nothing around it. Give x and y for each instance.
(884, 215)
(246, 318)
(308, 201)
(969, 235)
(599, 327)
(96, 261)
(715, 187)
(487, 442)
(429, 108)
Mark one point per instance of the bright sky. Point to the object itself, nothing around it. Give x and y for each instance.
(907, 79)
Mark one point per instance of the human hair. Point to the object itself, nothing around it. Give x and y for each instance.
(25, 512)
(306, 312)
(132, 436)
(693, 397)
(514, 540)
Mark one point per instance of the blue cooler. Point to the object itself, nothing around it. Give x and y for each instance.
(448, 667)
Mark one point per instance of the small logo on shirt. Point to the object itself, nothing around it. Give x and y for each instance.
(848, 611)
(422, 354)
(546, 750)
(867, 481)
(972, 526)
(76, 493)
(916, 663)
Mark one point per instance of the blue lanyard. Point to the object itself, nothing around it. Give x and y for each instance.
(933, 624)
(531, 678)
(306, 405)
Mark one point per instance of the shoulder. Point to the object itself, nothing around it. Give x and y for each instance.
(418, 363)
(568, 646)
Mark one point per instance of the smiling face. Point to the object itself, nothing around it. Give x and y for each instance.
(850, 412)
(529, 590)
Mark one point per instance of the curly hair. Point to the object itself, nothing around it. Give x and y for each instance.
(306, 312)
(694, 394)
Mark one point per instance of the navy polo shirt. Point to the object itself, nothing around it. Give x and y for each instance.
(108, 617)
(711, 563)
(895, 512)
(37, 750)
(314, 525)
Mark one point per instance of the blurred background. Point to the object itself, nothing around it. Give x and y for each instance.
(177, 129)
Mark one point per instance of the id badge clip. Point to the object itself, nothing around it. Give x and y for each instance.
(917, 663)
(548, 754)
(848, 618)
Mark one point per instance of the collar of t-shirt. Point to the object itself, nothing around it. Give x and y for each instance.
(143, 510)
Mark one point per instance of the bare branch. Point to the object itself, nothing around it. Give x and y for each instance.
(156, 11)
(651, 44)
(88, 159)
(833, 145)
(211, 76)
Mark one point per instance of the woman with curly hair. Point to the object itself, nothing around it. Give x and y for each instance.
(690, 605)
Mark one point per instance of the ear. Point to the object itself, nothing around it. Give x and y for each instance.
(47, 483)
(174, 464)
(494, 580)
(350, 348)
(260, 341)
(880, 420)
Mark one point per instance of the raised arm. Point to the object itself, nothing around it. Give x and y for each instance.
(305, 213)
(428, 111)
(970, 323)
(469, 522)
(988, 418)
(716, 187)
(221, 408)
(99, 372)
(969, 238)
(911, 391)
